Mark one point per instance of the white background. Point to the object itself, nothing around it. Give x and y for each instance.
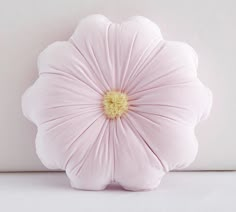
(28, 26)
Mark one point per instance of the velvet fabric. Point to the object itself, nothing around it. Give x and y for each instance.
(166, 101)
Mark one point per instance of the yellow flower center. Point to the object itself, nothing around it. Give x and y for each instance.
(115, 104)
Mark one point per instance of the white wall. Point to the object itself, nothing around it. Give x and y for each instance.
(28, 26)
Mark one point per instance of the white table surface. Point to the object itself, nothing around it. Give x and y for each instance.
(179, 191)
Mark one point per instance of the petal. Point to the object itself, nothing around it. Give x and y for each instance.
(62, 58)
(58, 97)
(136, 166)
(92, 170)
(173, 63)
(184, 103)
(175, 145)
(115, 51)
(89, 39)
(67, 145)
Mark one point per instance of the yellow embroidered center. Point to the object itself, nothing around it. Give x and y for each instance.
(115, 104)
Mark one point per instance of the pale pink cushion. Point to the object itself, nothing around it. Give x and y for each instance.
(166, 102)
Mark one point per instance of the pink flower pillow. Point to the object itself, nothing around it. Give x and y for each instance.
(117, 103)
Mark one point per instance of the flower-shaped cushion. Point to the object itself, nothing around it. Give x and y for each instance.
(117, 103)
